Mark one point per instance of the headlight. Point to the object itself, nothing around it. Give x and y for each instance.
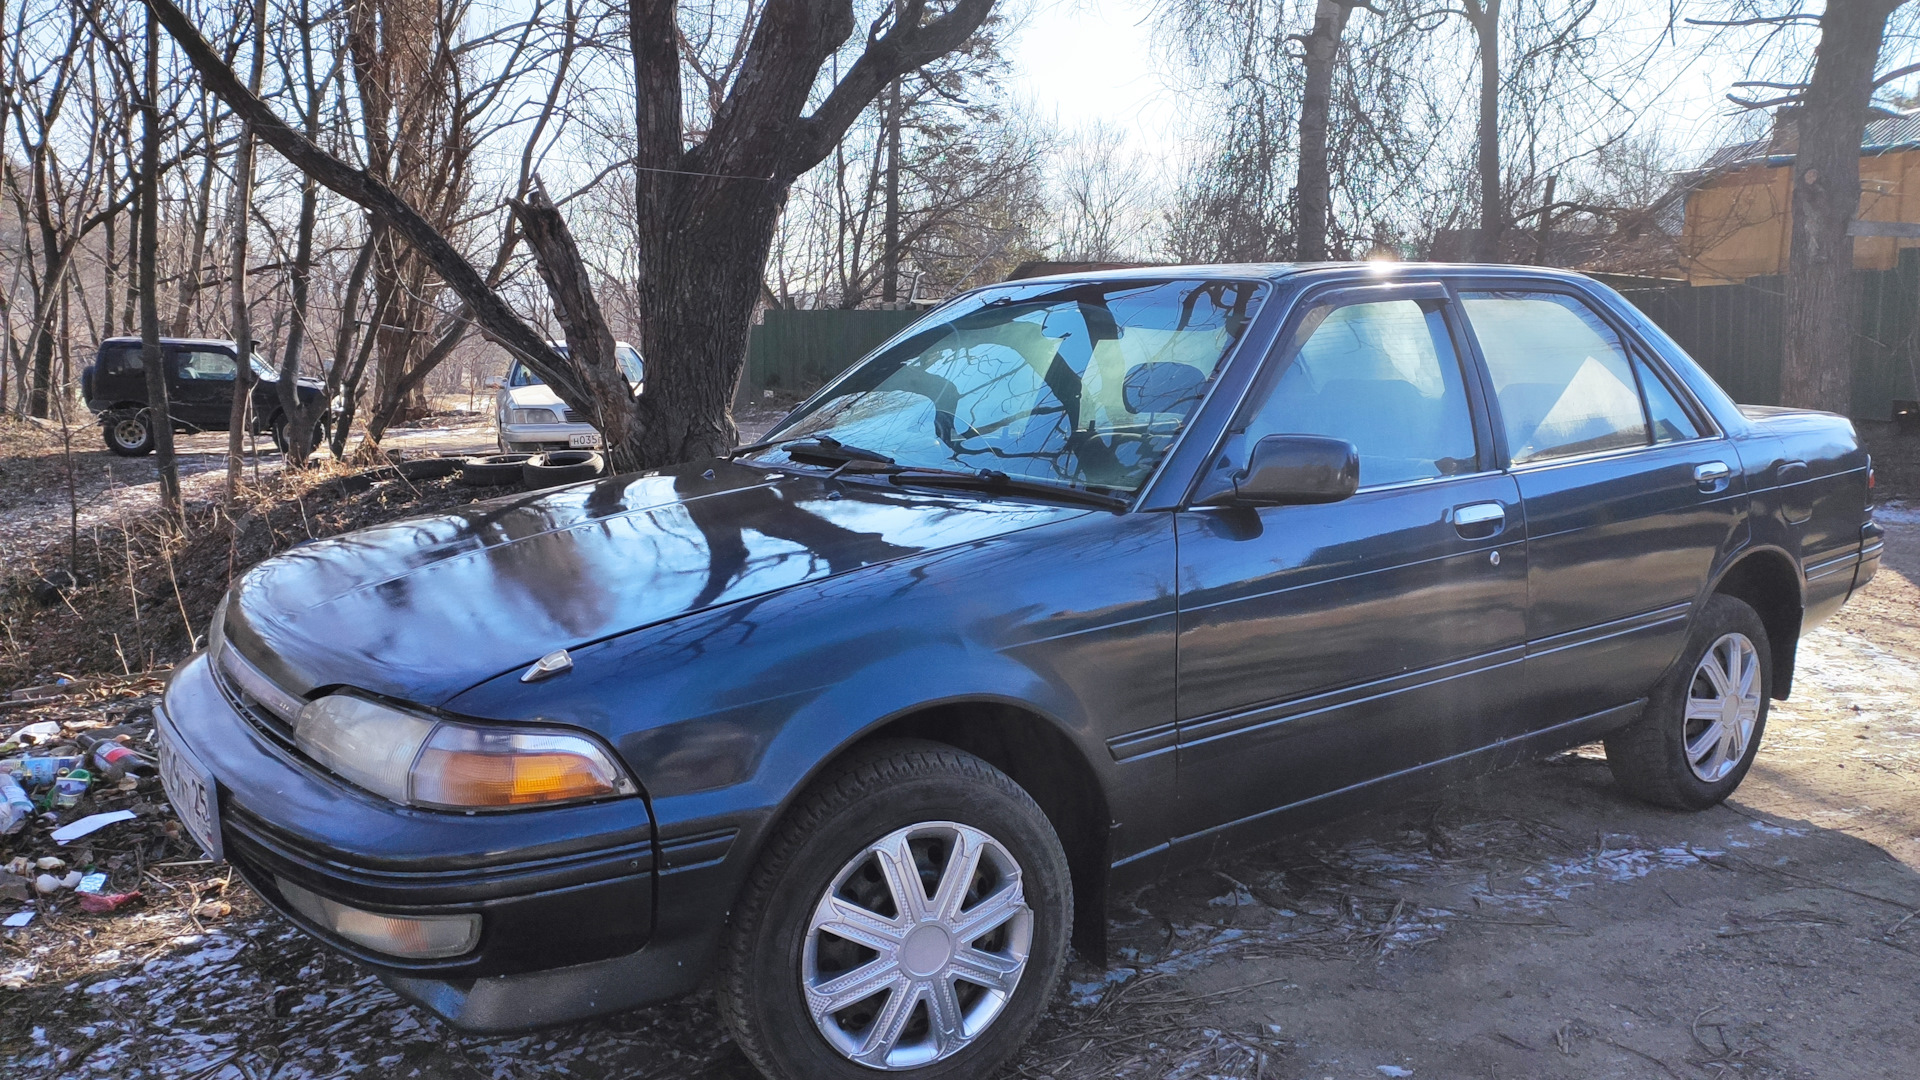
(532, 416)
(422, 761)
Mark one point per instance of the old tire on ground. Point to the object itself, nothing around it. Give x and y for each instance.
(428, 468)
(940, 971)
(494, 470)
(1704, 720)
(127, 432)
(562, 467)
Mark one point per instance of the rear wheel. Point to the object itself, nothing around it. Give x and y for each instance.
(279, 430)
(1703, 723)
(128, 433)
(911, 914)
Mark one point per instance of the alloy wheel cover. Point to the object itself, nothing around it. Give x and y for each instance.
(1722, 707)
(917, 946)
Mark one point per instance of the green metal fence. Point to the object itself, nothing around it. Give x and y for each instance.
(794, 352)
(1736, 333)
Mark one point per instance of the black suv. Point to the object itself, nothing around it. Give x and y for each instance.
(200, 375)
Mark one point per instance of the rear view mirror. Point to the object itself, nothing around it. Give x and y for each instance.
(1162, 387)
(1286, 470)
(494, 382)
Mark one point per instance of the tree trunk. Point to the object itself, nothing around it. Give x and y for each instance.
(1312, 186)
(196, 245)
(241, 317)
(890, 254)
(1485, 17)
(699, 303)
(1817, 369)
(158, 415)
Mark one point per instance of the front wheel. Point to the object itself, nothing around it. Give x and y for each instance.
(910, 914)
(1703, 723)
(128, 434)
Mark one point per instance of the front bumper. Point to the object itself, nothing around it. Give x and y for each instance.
(546, 436)
(566, 895)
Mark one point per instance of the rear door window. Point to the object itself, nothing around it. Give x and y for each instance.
(1562, 377)
(1384, 377)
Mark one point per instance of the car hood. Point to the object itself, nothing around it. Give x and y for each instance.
(423, 608)
(536, 396)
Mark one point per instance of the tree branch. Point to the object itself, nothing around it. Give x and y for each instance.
(363, 188)
(909, 44)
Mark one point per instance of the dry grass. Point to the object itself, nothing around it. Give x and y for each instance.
(134, 594)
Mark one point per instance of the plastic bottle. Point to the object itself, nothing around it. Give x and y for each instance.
(39, 772)
(15, 807)
(114, 761)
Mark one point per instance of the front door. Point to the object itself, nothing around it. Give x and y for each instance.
(1629, 496)
(1322, 647)
(202, 390)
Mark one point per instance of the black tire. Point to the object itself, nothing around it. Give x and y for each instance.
(128, 433)
(278, 430)
(494, 470)
(562, 467)
(883, 792)
(432, 468)
(1659, 758)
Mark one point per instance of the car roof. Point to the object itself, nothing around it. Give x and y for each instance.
(1384, 269)
(217, 343)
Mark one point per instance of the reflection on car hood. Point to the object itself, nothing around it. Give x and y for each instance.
(423, 608)
(537, 396)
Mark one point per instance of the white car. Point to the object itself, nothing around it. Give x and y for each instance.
(533, 418)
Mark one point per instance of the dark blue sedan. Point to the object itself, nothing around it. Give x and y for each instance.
(1073, 582)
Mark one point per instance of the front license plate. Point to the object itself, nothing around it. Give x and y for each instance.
(589, 441)
(190, 789)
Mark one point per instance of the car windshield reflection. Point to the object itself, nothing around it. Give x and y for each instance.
(1085, 384)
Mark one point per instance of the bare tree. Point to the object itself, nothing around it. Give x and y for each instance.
(1104, 198)
(1832, 105)
(1322, 47)
(708, 202)
(242, 314)
(159, 415)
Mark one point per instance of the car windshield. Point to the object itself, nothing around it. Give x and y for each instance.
(263, 370)
(1085, 384)
(631, 365)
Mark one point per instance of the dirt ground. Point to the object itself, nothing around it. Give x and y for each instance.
(1533, 924)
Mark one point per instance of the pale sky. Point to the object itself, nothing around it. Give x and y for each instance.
(1076, 61)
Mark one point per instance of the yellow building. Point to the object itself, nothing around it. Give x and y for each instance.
(1739, 210)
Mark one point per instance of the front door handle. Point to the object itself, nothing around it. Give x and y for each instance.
(1477, 521)
(1712, 476)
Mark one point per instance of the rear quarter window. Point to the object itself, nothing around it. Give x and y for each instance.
(120, 360)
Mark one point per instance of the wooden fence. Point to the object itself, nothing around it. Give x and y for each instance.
(1736, 333)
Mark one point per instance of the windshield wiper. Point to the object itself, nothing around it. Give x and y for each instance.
(828, 449)
(993, 480)
(818, 448)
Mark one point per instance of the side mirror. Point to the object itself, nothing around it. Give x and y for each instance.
(1286, 470)
(494, 382)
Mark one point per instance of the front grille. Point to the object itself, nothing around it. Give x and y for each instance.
(573, 417)
(268, 708)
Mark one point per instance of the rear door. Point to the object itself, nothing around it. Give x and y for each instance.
(1629, 494)
(1320, 647)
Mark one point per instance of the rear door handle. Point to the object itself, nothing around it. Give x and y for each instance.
(1477, 521)
(1712, 476)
